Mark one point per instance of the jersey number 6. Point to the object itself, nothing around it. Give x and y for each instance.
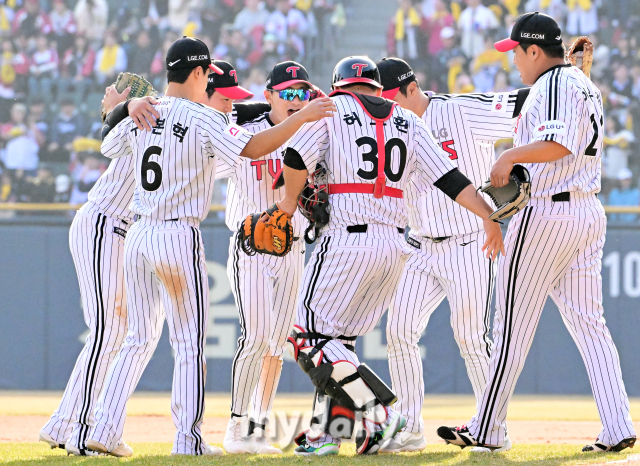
(372, 156)
(151, 166)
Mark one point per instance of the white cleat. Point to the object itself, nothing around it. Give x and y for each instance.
(46, 438)
(404, 441)
(121, 450)
(234, 440)
(506, 447)
(259, 444)
(75, 451)
(207, 450)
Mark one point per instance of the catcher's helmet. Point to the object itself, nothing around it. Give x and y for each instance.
(352, 70)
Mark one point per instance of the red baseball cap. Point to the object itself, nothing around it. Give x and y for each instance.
(226, 83)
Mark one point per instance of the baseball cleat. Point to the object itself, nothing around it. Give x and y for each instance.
(404, 441)
(482, 449)
(601, 447)
(305, 449)
(234, 442)
(259, 444)
(46, 438)
(121, 450)
(75, 451)
(368, 442)
(461, 437)
(207, 450)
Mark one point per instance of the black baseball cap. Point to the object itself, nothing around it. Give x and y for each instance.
(189, 52)
(287, 74)
(532, 28)
(227, 82)
(394, 73)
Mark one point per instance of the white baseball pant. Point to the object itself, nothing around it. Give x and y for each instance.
(553, 248)
(164, 261)
(97, 243)
(455, 268)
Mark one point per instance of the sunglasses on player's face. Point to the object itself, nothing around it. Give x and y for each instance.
(290, 94)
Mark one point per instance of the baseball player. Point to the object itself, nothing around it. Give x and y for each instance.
(446, 257)
(174, 166)
(96, 240)
(371, 150)
(265, 287)
(554, 245)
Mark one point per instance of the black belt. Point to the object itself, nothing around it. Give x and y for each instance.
(561, 197)
(363, 229)
(439, 239)
(326, 338)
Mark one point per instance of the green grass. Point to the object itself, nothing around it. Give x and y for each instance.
(19, 454)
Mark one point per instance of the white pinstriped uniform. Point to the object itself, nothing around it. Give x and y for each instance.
(467, 127)
(96, 240)
(555, 248)
(349, 281)
(174, 168)
(264, 287)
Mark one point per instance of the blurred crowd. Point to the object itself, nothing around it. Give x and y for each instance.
(59, 55)
(450, 45)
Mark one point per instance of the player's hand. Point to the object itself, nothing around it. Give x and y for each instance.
(287, 207)
(143, 112)
(494, 243)
(112, 98)
(501, 170)
(318, 109)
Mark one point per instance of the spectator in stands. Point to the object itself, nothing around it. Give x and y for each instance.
(449, 62)
(434, 23)
(21, 64)
(624, 195)
(31, 20)
(91, 17)
(617, 140)
(63, 188)
(77, 69)
(7, 16)
(6, 191)
(407, 20)
(501, 82)
(87, 175)
(40, 188)
(180, 12)
(238, 50)
(554, 8)
(158, 65)
(255, 84)
(67, 126)
(622, 83)
(474, 22)
(111, 59)
(7, 79)
(63, 26)
(487, 64)
(253, 14)
(20, 156)
(43, 69)
(270, 55)
(141, 53)
(582, 18)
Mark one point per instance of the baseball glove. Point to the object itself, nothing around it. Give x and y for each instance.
(513, 197)
(140, 87)
(273, 236)
(581, 48)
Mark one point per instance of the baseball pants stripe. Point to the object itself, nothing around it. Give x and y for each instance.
(97, 252)
(265, 289)
(554, 251)
(456, 269)
(164, 264)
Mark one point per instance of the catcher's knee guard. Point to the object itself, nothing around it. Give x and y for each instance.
(355, 388)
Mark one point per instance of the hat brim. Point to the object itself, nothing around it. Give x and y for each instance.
(234, 92)
(391, 93)
(506, 44)
(287, 84)
(215, 69)
(347, 81)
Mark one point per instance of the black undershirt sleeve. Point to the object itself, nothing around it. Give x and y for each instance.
(521, 97)
(452, 183)
(119, 113)
(292, 159)
(247, 111)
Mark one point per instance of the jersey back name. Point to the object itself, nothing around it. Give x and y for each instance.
(174, 164)
(346, 143)
(467, 127)
(566, 107)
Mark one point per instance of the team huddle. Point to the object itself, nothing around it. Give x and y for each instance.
(350, 172)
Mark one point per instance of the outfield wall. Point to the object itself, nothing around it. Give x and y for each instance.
(42, 329)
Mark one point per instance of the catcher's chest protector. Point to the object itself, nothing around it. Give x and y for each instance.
(379, 110)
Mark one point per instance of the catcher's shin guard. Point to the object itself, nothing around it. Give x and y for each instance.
(355, 388)
(331, 418)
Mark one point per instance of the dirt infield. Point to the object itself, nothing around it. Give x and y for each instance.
(161, 429)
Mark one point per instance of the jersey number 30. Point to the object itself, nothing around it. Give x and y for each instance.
(372, 156)
(151, 166)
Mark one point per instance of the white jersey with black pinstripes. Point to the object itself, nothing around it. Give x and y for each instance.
(174, 165)
(566, 107)
(250, 182)
(113, 191)
(466, 127)
(347, 144)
